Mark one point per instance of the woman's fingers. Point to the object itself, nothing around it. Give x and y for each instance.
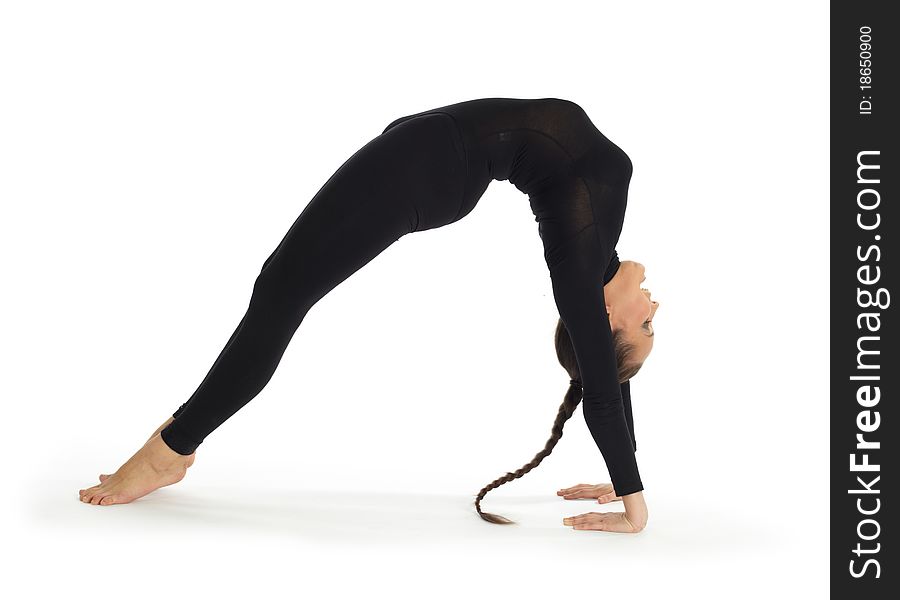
(582, 493)
(575, 488)
(586, 490)
(585, 519)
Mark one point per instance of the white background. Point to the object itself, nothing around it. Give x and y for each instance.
(153, 154)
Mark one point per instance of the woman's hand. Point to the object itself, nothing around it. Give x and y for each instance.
(633, 520)
(602, 492)
(610, 521)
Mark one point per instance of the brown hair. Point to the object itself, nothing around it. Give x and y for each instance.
(565, 352)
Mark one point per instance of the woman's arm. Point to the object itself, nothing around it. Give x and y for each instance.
(578, 292)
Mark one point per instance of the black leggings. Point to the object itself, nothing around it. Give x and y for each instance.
(410, 178)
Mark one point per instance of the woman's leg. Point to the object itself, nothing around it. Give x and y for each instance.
(343, 228)
(410, 178)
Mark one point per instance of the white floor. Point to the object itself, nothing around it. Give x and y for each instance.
(255, 535)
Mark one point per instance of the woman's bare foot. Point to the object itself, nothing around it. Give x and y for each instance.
(104, 476)
(154, 466)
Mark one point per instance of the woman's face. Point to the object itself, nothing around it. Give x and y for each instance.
(631, 307)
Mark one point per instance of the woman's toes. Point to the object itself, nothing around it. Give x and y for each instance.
(107, 500)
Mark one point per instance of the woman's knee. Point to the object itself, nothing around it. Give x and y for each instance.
(279, 290)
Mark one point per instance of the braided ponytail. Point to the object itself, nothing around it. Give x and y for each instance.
(566, 355)
(566, 409)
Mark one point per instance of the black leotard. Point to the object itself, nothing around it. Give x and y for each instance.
(427, 170)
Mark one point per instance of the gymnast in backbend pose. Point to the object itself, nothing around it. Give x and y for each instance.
(424, 171)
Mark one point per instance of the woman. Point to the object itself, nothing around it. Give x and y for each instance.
(424, 171)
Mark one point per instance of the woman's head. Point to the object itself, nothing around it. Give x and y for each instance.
(630, 311)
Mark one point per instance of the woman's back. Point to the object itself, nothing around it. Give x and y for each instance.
(550, 150)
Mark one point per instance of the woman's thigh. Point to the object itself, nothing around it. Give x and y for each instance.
(408, 179)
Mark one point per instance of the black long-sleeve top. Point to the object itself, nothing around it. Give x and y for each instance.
(577, 184)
